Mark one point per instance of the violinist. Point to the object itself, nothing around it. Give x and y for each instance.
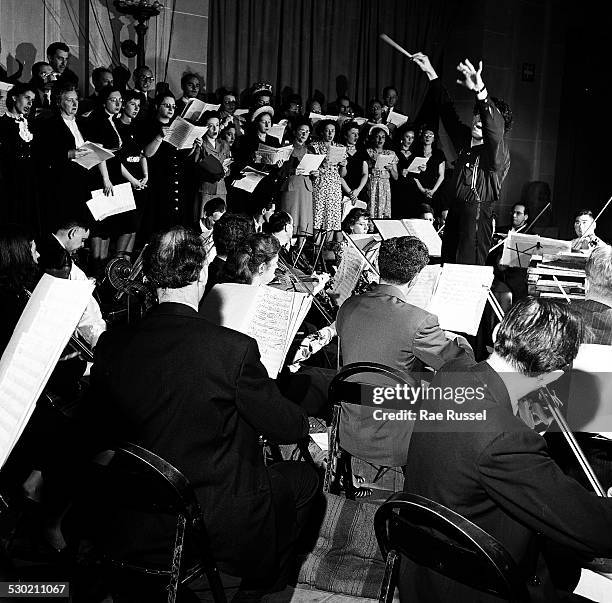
(496, 471)
(520, 219)
(584, 226)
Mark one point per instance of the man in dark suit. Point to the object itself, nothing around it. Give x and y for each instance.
(198, 395)
(596, 308)
(493, 469)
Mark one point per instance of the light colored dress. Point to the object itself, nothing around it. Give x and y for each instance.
(378, 187)
(327, 193)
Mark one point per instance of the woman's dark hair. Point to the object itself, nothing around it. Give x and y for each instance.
(277, 222)
(105, 93)
(174, 258)
(349, 125)
(539, 335)
(418, 145)
(17, 90)
(129, 95)
(18, 270)
(425, 208)
(299, 121)
(213, 205)
(159, 99)
(353, 217)
(322, 124)
(242, 263)
(210, 115)
(400, 259)
(371, 137)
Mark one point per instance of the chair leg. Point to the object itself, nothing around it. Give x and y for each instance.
(177, 556)
(346, 470)
(387, 588)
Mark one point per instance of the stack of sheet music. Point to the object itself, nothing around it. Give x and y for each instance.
(560, 275)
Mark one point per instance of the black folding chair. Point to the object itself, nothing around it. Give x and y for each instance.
(433, 536)
(133, 478)
(339, 473)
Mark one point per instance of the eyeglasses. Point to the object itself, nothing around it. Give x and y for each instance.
(147, 78)
(115, 100)
(168, 106)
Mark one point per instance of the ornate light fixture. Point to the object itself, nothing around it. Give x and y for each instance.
(142, 11)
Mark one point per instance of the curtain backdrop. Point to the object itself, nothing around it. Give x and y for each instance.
(326, 46)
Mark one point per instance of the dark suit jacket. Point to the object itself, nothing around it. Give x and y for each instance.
(597, 318)
(198, 395)
(498, 474)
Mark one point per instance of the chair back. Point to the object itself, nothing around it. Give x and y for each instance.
(434, 537)
(361, 431)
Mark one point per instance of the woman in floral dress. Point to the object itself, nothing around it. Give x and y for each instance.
(379, 188)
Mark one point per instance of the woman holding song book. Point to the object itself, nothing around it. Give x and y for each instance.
(296, 189)
(382, 165)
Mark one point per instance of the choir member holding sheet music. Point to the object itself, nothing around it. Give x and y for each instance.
(100, 128)
(327, 191)
(134, 168)
(403, 190)
(16, 161)
(296, 189)
(429, 180)
(356, 177)
(382, 166)
(246, 155)
(227, 112)
(169, 201)
(212, 159)
(482, 165)
(59, 141)
(190, 87)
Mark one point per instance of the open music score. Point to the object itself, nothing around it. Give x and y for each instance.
(421, 229)
(518, 248)
(44, 328)
(182, 134)
(455, 293)
(271, 316)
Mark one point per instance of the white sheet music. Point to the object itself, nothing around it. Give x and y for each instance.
(397, 119)
(251, 178)
(181, 134)
(418, 165)
(34, 349)
(195, 108)
(278, 131)
(349, 270)
(4, 88)
(271, 155)
(119, 202)
(460, 297)
(424, 230)
(309, 163)
(518, 248)
(422, 289)
(269, 315)
(336, 154)
(389, 229)
(97, 154)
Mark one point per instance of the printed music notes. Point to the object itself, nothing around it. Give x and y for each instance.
(195, 108)
(272, 155)
(45, 326)
(182, 134)
(309, 163)
(250, 179)
(271, 316)
(421, 229)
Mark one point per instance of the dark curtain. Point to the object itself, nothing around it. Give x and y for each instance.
(329, 46)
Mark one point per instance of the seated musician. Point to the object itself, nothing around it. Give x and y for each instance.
(213, 210)
(198, 395)
(585, 225)
(228, 232)
(381, 326)
(497, 472)
(56, 257)
(510, 283)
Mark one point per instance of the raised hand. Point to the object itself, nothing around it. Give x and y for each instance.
(422, 60)
(471, 77)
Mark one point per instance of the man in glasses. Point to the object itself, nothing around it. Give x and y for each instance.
(482, 164)
(144, 83)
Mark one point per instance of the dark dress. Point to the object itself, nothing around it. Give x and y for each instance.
(354, 170)
(404, 193)
(429, 176)
(169, 202)
(17, 195)
(98, 129)
(129, 155)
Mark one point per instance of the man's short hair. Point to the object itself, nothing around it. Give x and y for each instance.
(515, 205)
(188, 76)
(63, 223)
(261, 203)
(213, 205)
(98, 71)
(174, 258)
(599, 270)
(140, 70)
(584, 212)
(230, 230)
(52, 48)
(277, 222)
(36, 68)
(539, 335)
(400, 259)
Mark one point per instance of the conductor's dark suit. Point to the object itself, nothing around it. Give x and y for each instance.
(197, 395)
(498, 474)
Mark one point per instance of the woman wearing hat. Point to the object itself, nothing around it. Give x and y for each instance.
(380, 171)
